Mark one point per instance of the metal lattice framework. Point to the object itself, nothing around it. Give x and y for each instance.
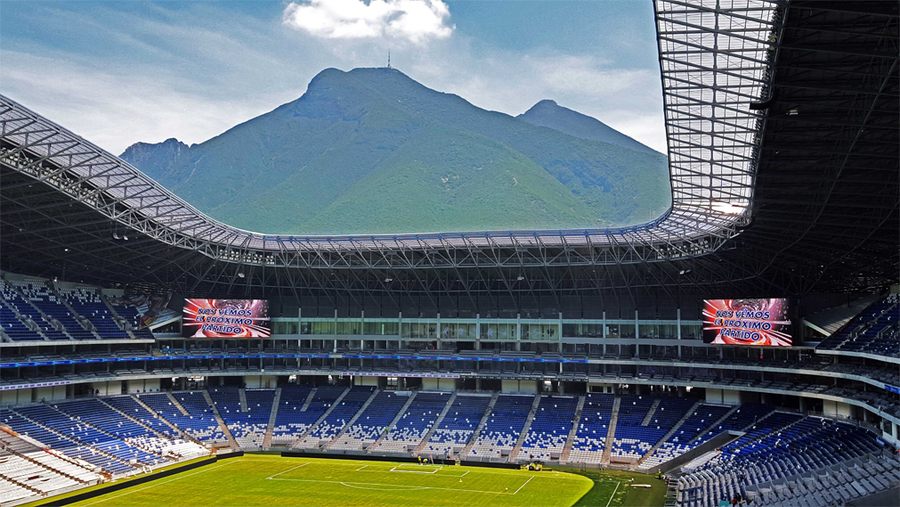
(713, 62)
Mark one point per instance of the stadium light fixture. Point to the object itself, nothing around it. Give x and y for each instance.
(241, 275)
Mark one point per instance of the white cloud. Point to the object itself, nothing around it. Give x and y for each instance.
(114, 109)
(414, 20)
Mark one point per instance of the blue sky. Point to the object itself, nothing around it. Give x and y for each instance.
(121, 72)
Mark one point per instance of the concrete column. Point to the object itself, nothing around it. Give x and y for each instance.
(477, 331)
(518, 332)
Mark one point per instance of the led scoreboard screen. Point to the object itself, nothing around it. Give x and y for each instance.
(763, 322)
(225, 318)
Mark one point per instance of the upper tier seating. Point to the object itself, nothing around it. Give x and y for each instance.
(590, 437)
(414, 423)
(458, 425)
(500, 434)
(550, 428)
(43, 298)
(23, 301)
(876, 330)
(88, 303)
(32, 321)
(372, 422)
(132, 317)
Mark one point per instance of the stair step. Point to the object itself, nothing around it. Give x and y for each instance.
(389, 427)
(354, 418)
(222, 426)
(514, 453)
(570, 441)
(276, 401)
(437, 424)
(302, 438)
(611, 433)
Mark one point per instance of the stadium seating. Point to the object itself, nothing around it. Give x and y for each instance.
(632, 437)
(88, 304)
(778, 447)
(323, 399)
(131, 316)
(32, 325)
(550, 428)
(248, 427)
(339, 416)
(130, 407)
(505, 423)
(458, 425)
(75, 439)
(590, 437)
(36, 472)
(198, 419)
(414, 423)
(45, 300)
(372, 422)
(291, 420)
(875, 330)
(37, 310)
(683, 438)
(743, 416)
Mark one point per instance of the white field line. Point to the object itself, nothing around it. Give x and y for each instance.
(523, 485)
(613, 493)
(155, 483)
(398, 469)
(362, 467)
(392, 487)
(288, 470)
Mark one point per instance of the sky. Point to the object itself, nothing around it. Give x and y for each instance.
(121, 72)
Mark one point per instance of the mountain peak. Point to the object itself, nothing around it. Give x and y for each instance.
(370, 150)
(542, 104)
(547, 113)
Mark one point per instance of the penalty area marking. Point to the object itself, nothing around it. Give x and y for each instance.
(286, 471)
(432, 472)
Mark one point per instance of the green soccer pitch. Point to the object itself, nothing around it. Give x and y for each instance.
(271, 481)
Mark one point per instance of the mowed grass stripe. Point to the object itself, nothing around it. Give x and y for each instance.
(271, 481)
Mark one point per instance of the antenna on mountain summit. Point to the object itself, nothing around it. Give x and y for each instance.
(389, 59)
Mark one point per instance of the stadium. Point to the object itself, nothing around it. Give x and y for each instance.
(740, 349)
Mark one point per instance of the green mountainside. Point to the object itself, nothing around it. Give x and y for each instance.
(372, 151)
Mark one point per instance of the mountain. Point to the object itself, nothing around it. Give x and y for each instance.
(548, 113)
(373, 151)
(159, 158)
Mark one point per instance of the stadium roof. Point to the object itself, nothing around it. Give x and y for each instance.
(779, 116)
